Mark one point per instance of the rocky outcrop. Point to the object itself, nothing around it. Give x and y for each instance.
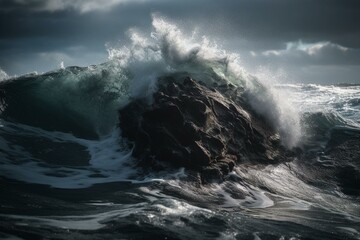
(199, 128)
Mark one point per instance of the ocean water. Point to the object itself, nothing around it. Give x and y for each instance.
(66, 173)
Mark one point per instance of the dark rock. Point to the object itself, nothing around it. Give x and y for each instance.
(192, 126)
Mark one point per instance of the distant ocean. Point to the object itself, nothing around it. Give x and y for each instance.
(65, 172)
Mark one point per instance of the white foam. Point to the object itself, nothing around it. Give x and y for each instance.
(227, 235)
(256, 236)
(178, 208)
(293, 204)
(349, 229)
(82, 222)
(273, 102)
(3, 75)
(327, 99)
(253, 197)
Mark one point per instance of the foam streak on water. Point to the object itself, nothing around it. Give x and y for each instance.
(107, 162)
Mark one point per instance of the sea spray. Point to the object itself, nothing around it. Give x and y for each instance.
(275, 105)
(3, 75)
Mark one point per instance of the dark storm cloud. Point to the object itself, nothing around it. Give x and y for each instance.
(35, 27)
(60, 5)
(14, 5)
(277, 20)
(28, 33)
(282, 20)
(321, 62)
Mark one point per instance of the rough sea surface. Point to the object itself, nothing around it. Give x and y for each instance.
(66, 173)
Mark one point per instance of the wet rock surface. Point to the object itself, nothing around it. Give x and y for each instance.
(202, 129)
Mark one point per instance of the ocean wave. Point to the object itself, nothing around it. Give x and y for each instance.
(88, 98)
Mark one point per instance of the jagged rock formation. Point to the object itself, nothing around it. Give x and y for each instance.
(200, 128)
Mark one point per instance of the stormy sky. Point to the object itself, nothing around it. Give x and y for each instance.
(309, 41)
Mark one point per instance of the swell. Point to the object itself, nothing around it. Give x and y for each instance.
(320, 123)
(82, 101)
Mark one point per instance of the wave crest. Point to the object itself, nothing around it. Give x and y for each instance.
(169, 50)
